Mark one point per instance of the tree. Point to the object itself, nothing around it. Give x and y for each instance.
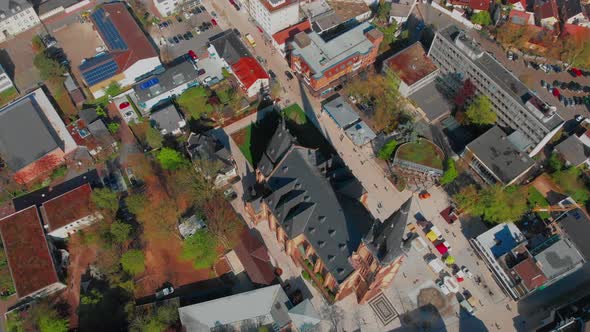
(105, 199)
(153, 137)
(222, 220)
(113, 127)
(133, 262)
(554, 162)
(494, 203)
(154, 320)
(200, 248)
(135, 203)
(48, 68)
(383, 11)
(480, 111)
(388, 31)
(171, 159)
(467, 91)
(120, 231)
(482, 18)
(387, 150)
(194, 102)
(47, 318)
(93, 298)
(113, 89)
(450, 173)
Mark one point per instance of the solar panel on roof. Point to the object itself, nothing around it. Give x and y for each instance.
(100, 72)
(108, 30)
(149, 83)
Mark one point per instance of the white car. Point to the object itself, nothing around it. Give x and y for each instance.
(579, 118)
(165, 292)
(467, 272)
(443, 288)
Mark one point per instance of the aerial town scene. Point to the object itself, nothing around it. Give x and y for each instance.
(294, 165)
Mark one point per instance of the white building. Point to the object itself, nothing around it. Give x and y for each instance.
(5, 81)
(274, 15)
(167, 7)
(16, 16)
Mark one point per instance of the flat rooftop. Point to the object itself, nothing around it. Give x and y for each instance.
(499, 155)
(498, 73)
(576, 224)
(432, 102)
(411, 64)
(341, 112)
(560, 258)
(25, 245)
(156, 85)
(500, 239)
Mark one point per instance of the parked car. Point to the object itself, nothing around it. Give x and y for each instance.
(190, 34)
(443, 288)
(213, 21)
(124, 105)
(176, 40)
(164, 292)
(201, 72)
(272, 74)
(179, 36)
(214, 14)
(170, 40)
(467, 272)
(289, 75)
(579, 118)
(192, 54)
(543, 83)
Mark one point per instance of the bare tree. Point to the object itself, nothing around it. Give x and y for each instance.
(334, 314)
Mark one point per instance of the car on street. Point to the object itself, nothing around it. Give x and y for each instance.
(176, 40)
(164, 292)
(272, 74)
(201, 72)
(289, 75)
(511, 56)
(443, 288)
(179, 36)
(190, 34)
(170, 41)
(467, 272)
(213, 21)
(579, 118)
(185, 36)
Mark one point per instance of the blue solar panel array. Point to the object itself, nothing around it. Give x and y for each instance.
(109, 32)
(149, 83)
(98, 69)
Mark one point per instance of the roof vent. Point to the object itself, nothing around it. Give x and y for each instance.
(340, 270)
(297, 185)
(332, 232)
(322, 219)
(331, 258)
(311, 229)
(342, 246)
(321, 243)
(306, 198)
(285, 169)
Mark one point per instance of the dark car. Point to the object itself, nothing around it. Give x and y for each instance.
(179, 18)
(185, 36)
(272, 74)
(176, 40)
(189, 34)
(201, 72)
(202, 8)
(179, 36)
(171, 40)
(289, 75)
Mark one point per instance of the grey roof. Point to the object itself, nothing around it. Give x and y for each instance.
(10, 7)
(499, 155)
(386, 239)
(167, 119)
(559, 258)
(101, 133)
(88, 115)
(279, 144)
(321, 55)
(268, 304)
(500, 75)
(326, 21)
(304, 315)
(431, 101)
(304, 202)
(182, 73)
(400, 8)
(229, 46)
(341, 112)
(360, 133)
(25, 133)
(573, 150)
(70, 84)
(576, 224)
(49, 5)
(206, 147)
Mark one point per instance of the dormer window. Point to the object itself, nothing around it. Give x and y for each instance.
(322, 219)
(342, 246)
(321, 243)
(331, 232)
(311, 230)
(331, 258)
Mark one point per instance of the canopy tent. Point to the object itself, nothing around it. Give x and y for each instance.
(432, 236)
(442, 248)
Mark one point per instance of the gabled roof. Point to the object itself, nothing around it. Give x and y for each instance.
(279, 144)
(385, 240)
(573, 150)
(545, 9)
(11, 7)
(67, 208)
(255, 259)
(530, 274)
(29, 258)
(229, 47)
(249, 71)
(284, 35)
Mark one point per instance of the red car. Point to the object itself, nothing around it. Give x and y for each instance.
(124, 104)
(555, 92)
(260, 29)
(192, 54)
(213, 21)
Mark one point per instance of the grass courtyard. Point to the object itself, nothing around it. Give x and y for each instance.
(421, 152)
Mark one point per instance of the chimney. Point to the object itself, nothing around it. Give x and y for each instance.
(302, 39)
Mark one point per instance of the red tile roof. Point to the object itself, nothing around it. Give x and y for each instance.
(530, 274)
(67, 208)
(411, 64)
(138, 46)
(248, 71)
(255, 259)
(546, 9)
(282, 36)
(29, 259)
(572, 29)
(40, 167)
(479, 4)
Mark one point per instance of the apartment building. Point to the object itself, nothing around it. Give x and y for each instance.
(274, 15)
(167, 7)
(16, 16)
(532, 121)
(324, 61)
(5, 81)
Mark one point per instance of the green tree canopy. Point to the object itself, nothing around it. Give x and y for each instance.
(171, 159)
(48, 68)
(105, 199)
(194, 102)
(387, 149)
(153, 137)
(200, 248)
(113, 127)
(47, 318)
(494, 203)
(135, 203)
(482, 18)
(480, 111)
(133, 261)
(554, 162)
(113, 89)
(383, 11)
(120, 231)
(450, 173)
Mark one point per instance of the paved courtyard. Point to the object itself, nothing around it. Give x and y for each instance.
(16, 56)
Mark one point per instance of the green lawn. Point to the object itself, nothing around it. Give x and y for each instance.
(193, 102)
(8, 95)
(244, 139)
(535, 198)
(295, 113)
(422, 152)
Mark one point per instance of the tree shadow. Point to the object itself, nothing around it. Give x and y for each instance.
(7, 64)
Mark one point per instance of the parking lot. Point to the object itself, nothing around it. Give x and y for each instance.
(70, 37)
(171, 36)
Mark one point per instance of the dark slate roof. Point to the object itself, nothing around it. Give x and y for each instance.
(499, 155)
(205, 147)
(386, 239)
(569, 8)
(304, 202)
(88, 115)
(576, 224)
(279, 144)
(101, 133)
(179, 74)
(26, 134)
(229, 46)
(573, 150)
(167, 118)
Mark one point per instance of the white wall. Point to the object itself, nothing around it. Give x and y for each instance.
(5, 82)
(18, 23)
(254, 89)
(73, 227)
(275, 21)
(138, 69)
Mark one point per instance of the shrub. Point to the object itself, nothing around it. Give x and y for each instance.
(387, 150)
(305, 275)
